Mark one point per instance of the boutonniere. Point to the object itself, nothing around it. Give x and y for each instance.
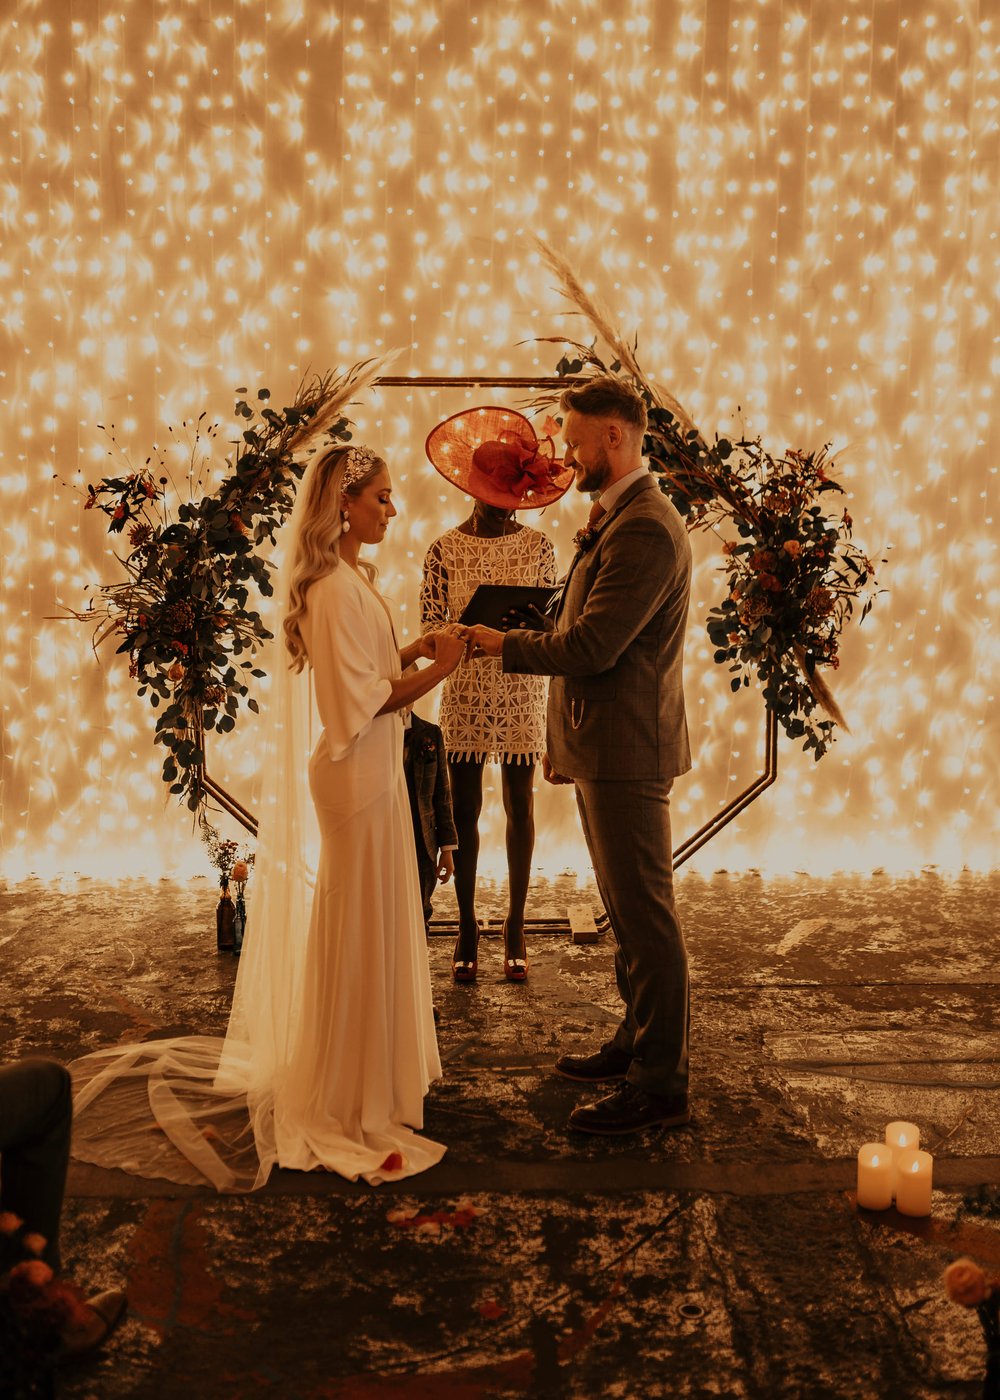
(585, 538)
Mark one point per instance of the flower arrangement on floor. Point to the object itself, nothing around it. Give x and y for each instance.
(36, 1309)
(184, 611)
(234, 863)
(794, 577)
(967, 1284)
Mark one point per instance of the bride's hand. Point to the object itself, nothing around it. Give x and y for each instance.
(449, 648)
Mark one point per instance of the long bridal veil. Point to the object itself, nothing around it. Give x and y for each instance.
(196, 1108)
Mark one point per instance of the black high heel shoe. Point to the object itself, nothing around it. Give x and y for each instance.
(514, 969)
(465, 971)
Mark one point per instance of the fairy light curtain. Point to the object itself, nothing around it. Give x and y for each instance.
(793, 204)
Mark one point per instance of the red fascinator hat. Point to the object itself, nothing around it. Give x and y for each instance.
(495, 455)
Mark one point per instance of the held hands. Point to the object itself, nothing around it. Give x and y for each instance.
(448, 646)
(485, 641)
(454, 643)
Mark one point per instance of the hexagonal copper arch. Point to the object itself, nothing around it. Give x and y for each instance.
(699, 838)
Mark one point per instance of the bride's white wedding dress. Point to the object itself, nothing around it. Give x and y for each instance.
(330, 1047)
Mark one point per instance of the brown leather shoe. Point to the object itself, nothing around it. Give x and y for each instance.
(101, 1315)
(629, 1109)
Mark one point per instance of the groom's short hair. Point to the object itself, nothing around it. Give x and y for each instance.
(606, 396)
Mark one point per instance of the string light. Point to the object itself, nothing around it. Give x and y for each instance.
(793, 206)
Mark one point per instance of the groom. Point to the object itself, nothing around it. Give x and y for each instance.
(616, 728)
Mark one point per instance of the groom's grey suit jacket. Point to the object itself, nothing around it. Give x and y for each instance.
(616, 700)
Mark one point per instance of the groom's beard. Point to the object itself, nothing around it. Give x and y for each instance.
(594, 479)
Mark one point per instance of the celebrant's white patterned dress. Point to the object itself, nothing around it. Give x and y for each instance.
(486, 714)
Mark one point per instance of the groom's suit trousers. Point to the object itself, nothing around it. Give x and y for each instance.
(627, 829)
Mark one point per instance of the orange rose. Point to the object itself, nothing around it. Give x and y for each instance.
(966, 1283)
(176, 672)
(793, 548)
(241, 871)
(34, 1272)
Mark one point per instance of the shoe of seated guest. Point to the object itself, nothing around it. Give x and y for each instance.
(97, 1319)
(629, 1109)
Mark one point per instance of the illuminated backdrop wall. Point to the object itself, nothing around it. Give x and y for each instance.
(792, 204)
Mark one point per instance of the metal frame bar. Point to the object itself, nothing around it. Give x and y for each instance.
(687, 848)
(217, 792)
(737, 804)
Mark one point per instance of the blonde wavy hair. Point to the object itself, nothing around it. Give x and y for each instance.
(317, 549)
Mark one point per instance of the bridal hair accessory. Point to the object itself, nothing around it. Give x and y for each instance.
(495, 455)
(358, 462)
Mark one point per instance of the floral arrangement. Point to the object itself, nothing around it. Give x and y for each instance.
(967, 1284)
(233, 861)
(36, 1308)
(794, 577)
(184, 612)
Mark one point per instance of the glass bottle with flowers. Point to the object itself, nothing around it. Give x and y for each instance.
(233, 866)
(239, 875)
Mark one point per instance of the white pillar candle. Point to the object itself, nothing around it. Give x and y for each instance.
(875, 1176)
(914, 1181)
(901, 1137)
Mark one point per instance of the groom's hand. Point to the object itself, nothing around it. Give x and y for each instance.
(528, 616)
(549, 773)
(485, 641)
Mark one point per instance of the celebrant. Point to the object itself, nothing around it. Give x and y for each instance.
(487, 715)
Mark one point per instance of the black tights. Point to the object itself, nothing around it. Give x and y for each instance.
(517, 784)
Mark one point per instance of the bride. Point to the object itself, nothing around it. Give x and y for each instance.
(330, 1046)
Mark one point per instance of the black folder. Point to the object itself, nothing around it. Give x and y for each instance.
(492, 601)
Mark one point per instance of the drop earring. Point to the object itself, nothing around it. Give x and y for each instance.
(345, 523)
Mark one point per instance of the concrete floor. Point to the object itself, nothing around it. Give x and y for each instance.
(725, 1259)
